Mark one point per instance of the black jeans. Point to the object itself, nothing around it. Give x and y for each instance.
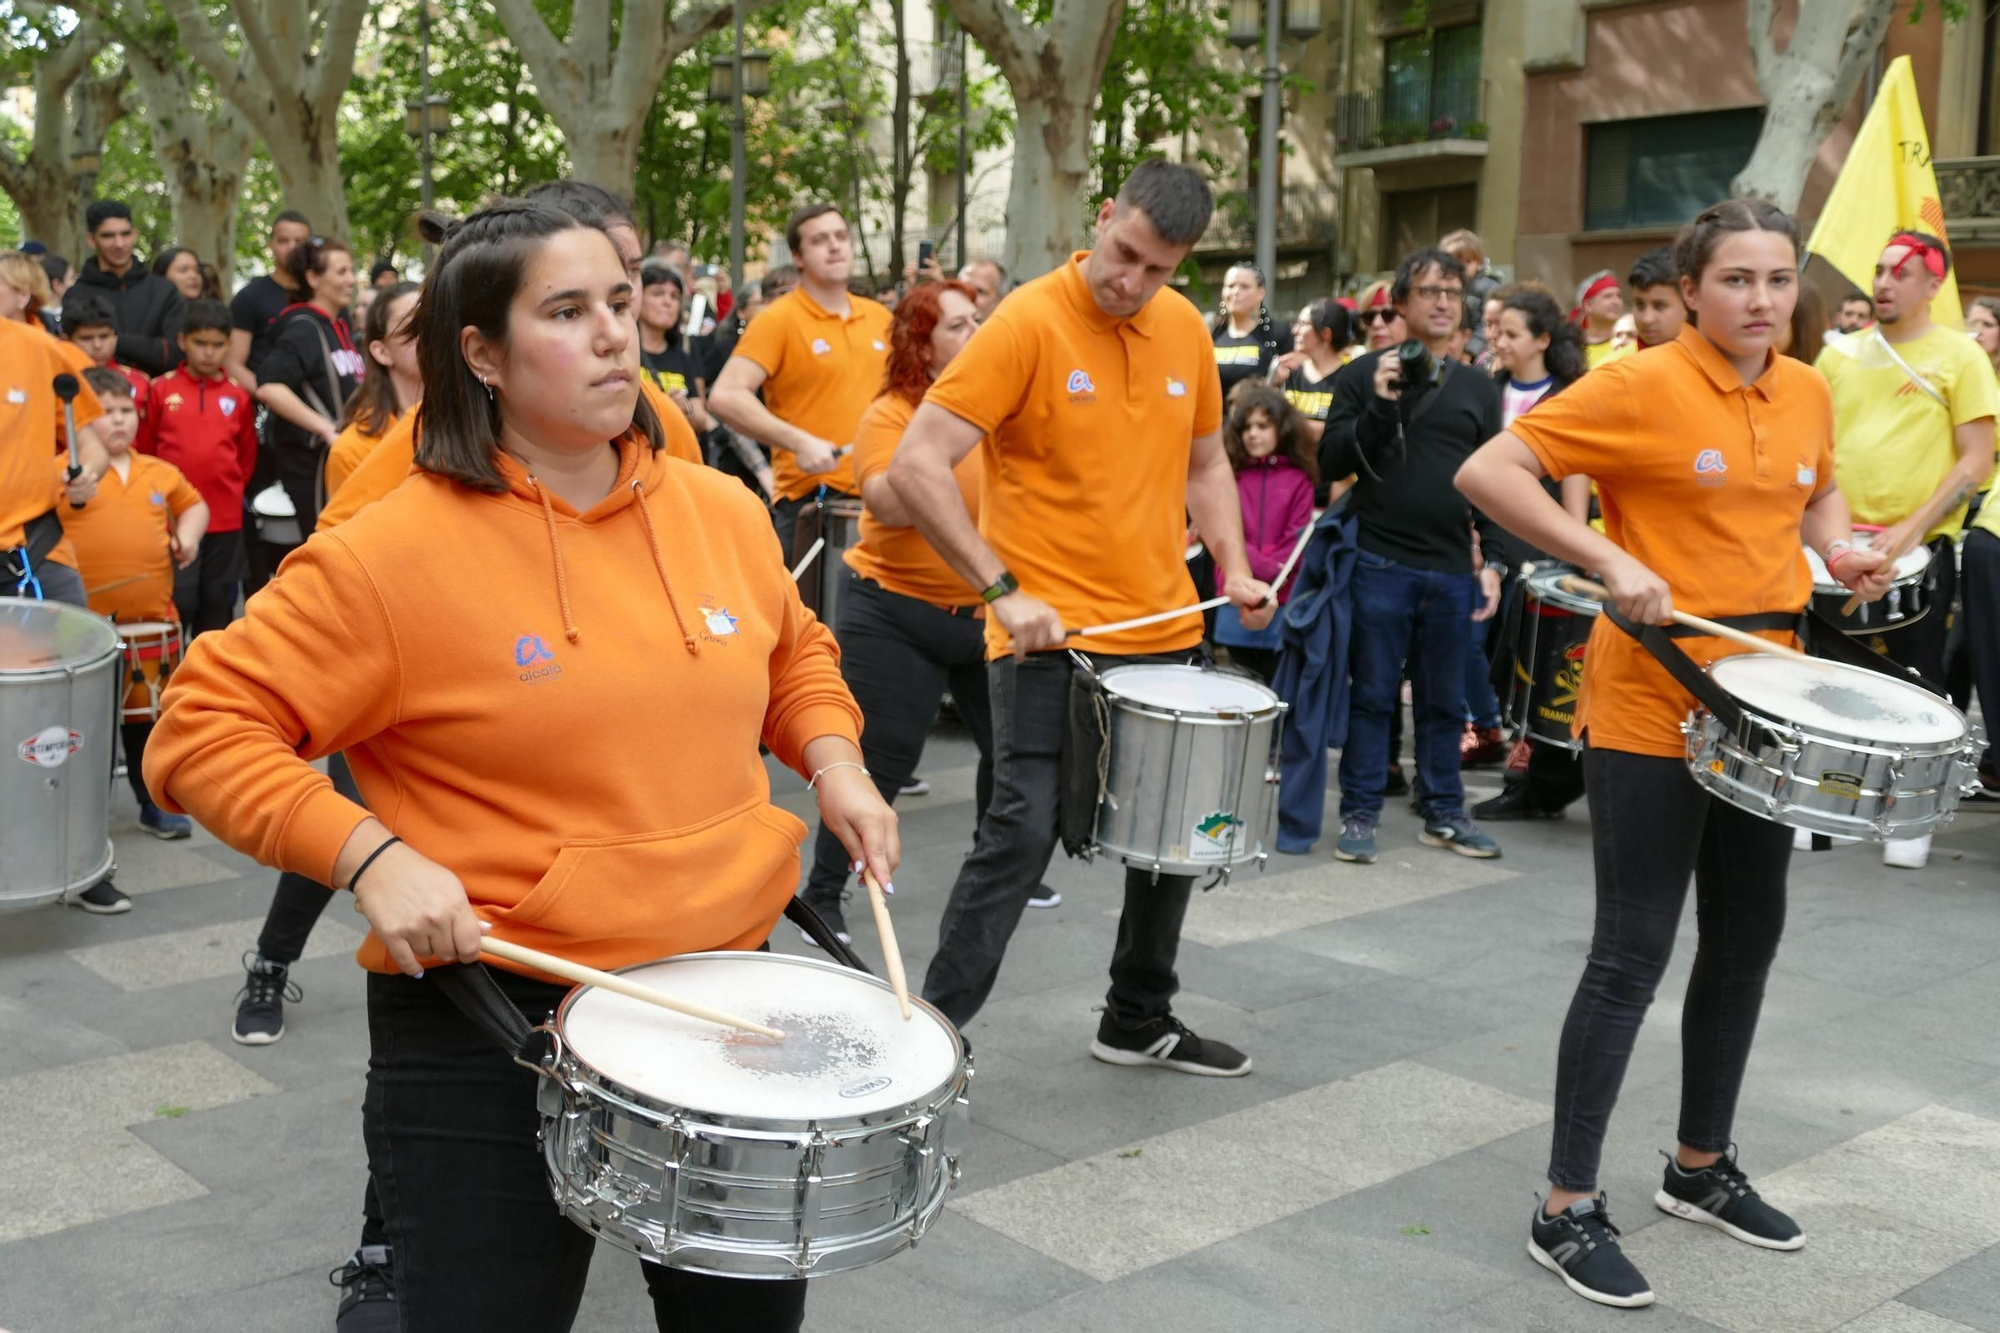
(450, 1124)
(898, 656)
(1982, 624)
(205, 592)
(299, 901)
(134, 735)
(1017, 836)
(1651, 828)
(1554, 777)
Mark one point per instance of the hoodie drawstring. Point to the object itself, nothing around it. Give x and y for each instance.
(659, 562)
(570, 631)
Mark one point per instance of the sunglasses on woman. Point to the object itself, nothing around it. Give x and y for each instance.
(1382, 316)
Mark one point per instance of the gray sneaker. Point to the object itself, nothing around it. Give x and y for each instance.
(1457, 833)
(1357, 840)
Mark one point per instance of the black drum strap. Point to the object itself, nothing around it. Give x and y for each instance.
(479, 997)
(1655, 640)
(802, 916)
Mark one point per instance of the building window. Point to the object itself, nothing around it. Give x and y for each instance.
(1430, 84)
(1661, 171)
(1413, 220)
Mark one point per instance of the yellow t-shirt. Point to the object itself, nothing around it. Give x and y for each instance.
(1893, 442)
(1598, 354)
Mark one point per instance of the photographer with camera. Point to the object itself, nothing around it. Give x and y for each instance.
(1403, 419)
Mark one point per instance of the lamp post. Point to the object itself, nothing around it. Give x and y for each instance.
(1249, 22)
(427, 114)
(732, 78)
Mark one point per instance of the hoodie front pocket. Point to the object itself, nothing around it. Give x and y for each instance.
(610, 902)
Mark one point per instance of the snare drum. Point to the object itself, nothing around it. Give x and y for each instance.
(1833, 748)
(717, 1151)
(1190, 785)
(1549, 652)
(1907, 601)
(152, 651)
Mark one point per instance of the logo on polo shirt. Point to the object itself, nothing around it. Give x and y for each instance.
(16, 396)
(1081, 390)
(159, 498)
(821, 347)
(877, 345)
(1709, 467)
(1175, 388)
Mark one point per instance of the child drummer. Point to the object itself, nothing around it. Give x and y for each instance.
(146, 521)
(1714, 460)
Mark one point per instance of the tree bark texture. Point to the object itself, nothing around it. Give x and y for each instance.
(1807, 87)
(73, 108)
(203, 156)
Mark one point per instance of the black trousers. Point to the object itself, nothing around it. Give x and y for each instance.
(1922, 645)
(1018, 835)
(133, 736)
(450, 1124)
(1982, 625)
(205, 592)
(301, 471)
(298, 901)
(1651, 829)
(898, 656)
(1555, 775)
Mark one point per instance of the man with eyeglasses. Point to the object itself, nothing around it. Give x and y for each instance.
(1403, 419)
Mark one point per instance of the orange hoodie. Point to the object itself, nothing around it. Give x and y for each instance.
(562, 708)
(365, 476)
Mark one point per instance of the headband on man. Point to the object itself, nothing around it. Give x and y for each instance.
(1605, 281)
(1918, 249)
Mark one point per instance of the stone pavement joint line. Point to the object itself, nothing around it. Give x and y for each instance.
(65, 1156)
(1895, 1318)
(200, 954)
(1164, 1197)
(1257, 906)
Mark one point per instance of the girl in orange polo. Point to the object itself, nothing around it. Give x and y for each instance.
(1713, 456)
(550, 658)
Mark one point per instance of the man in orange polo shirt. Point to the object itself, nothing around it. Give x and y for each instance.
(1098, 401)
(817, 353)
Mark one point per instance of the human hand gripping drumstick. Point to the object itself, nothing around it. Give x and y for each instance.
(892, 957)
(611, 981)
(1598, 592)
(1914, 527)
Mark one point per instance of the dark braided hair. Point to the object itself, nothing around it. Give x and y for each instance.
(474, 281)
(374, 404)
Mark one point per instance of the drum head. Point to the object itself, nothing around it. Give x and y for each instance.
(1187, 689)
(44, 636)
(1547, 587)
(1829, 697)
(151, 631)
(846, 1052)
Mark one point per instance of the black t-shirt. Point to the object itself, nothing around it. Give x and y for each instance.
(674, 370)
(315, 358)
(1312, 399)
(255, 310)
(1238, 358)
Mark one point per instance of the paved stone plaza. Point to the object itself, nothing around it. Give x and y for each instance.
(1373, 1174)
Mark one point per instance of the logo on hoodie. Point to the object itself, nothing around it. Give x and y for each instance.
(717, 623)
(536, 662)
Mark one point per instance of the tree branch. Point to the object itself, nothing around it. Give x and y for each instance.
(1763, 46)
(556, 78)
(202, 42)
(340, 36)
(1863, 40)
(1009, 40)
(689, 27)
(590, 30)
(277, 67)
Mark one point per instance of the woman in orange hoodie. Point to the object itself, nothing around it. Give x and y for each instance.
(550, 660)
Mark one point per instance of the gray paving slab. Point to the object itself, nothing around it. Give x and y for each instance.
(1967, 1293)
(1895, 1317)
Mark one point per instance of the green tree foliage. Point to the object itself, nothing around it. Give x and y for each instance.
(1170, 75)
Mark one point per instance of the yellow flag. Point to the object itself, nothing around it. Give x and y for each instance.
(1886, 183)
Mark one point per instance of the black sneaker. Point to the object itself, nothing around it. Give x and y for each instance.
(1397, 784)
(1166, 1042)
(835, 919)
(1044, 896)
(103, 898)
(1720, 1196)
(260, 1008)
(1580, 1246)
(367, 1283)
(1514, 803)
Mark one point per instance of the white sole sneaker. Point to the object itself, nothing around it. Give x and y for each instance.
(840, 935)
(1053, 900)
(1667, 1203)
(1907, 853)
(1541, 1256)
(1112, 1055)
(255, 1038)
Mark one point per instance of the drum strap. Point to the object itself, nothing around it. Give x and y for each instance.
(802, 916)
(479, 997)
(1656, 640)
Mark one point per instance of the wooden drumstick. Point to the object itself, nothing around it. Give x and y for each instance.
(1598, 592)
(590, 976)
(1092, 631)
(892, 957)
(819, 544)
(115, 583)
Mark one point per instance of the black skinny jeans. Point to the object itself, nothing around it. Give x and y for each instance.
(450, 1122)
(898, 656)
(1982, 625)
(298, 901)
(1017, 836)
(1651, 828)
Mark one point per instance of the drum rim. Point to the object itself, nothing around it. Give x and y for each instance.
(1130, 704)
(59, 671)
(580, 1078)
(1762, 715)
(1539, 584)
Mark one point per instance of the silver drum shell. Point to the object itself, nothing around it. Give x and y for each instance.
(743, 1196)
(1172, 769)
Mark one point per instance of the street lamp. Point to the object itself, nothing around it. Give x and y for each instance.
(1250, 20)
(426, 115)
(732, 78)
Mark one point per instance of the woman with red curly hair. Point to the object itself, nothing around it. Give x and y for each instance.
(909, 628)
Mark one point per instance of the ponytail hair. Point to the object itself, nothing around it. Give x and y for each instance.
(1696, 245)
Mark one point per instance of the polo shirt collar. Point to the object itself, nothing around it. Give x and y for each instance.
(818, 311)
(1092, 313)
(1716, 366)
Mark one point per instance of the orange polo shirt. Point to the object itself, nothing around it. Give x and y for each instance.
(899, 558)
(822, 371)
(1089, 420)
(30, 421)
(1704, 480)
(386, 462)
(123, 532)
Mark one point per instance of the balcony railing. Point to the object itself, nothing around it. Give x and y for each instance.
(1970, 187)
(1383, 118)
(1307, 215)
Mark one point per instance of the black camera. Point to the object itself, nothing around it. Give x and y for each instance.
(1416, 367)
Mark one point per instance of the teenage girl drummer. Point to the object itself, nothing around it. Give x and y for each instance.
(550, 657)
(1714, 460)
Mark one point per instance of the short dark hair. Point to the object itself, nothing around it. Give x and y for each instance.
(1330, 317)
(55, 266)
(1695, 246)
(1174, 198)
(87, 308)
(1419, 262)
(1856, 294)
(780, 275)
(206, 317)
(1923, 238)
(107, 383)
(103, 211)
(655, 274)
(291, 215)
(591, 205)
(474, 281)
(798, 220)
(1655, 268)
(380, 267)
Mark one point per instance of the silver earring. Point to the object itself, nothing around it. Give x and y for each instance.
(488, 386)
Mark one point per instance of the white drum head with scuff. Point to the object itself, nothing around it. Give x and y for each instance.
(1188, 689)
(847, 1050)
(1829, 697)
